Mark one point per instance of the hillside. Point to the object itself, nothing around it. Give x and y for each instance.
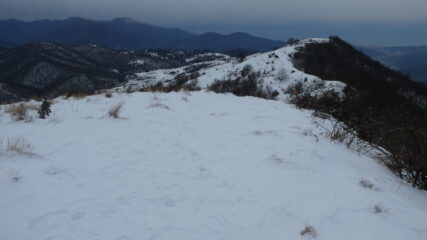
(375, 103)
(194, 165)
(124, 33)
(48, 70)
(269, 75)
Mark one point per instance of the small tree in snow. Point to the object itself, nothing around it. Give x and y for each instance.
(44, 109)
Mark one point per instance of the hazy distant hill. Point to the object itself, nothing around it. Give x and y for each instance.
(124, 33)
(4, 44)
(408, 60)
(218, 42)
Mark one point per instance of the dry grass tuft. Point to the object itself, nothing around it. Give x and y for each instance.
(159, 105)
(379, 208)
(17, 144)
(309, 231)
(15, 176)
(366, 184)
(77, 95)
(115, 110)
(19, 112)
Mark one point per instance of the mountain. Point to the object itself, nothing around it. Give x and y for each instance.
(408, 60)
(124, 33)
(270, 73)
(331, 59)
(306, 152)
(45, 69)
(375, 103)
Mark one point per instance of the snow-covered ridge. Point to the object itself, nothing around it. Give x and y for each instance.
(194, 165)
(274, 71)
(207, 55)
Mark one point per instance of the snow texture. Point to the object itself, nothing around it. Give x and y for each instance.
(194, 165)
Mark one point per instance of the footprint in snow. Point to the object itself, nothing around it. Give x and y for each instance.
(268, 132)
(289, 164)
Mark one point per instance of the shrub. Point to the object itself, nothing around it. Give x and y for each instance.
(240, 87)
(292, 41)
(115, 110)
(398, 139)
(246, 84)
(282, 75)
(375, 106)
(246, 70)
(241, 57)
(17, 144)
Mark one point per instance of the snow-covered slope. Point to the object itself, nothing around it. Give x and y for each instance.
(194, 165)
(273, 71)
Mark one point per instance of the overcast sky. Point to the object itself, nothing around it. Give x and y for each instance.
(266, 16)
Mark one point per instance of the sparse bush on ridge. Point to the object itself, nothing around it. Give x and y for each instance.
(399, 142)
(282, 75)
(339, 132)
(247, 84)
(191, 85)
(115, 110)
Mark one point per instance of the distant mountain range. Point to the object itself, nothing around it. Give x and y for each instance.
(123, 33)
(407, 60)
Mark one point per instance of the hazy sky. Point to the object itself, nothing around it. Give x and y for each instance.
(260, 17)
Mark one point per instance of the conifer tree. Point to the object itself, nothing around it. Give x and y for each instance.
(44, 109)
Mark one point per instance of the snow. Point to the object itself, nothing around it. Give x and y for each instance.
(194, 165)
(138, 62)
(206, 55)
(275, 69)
